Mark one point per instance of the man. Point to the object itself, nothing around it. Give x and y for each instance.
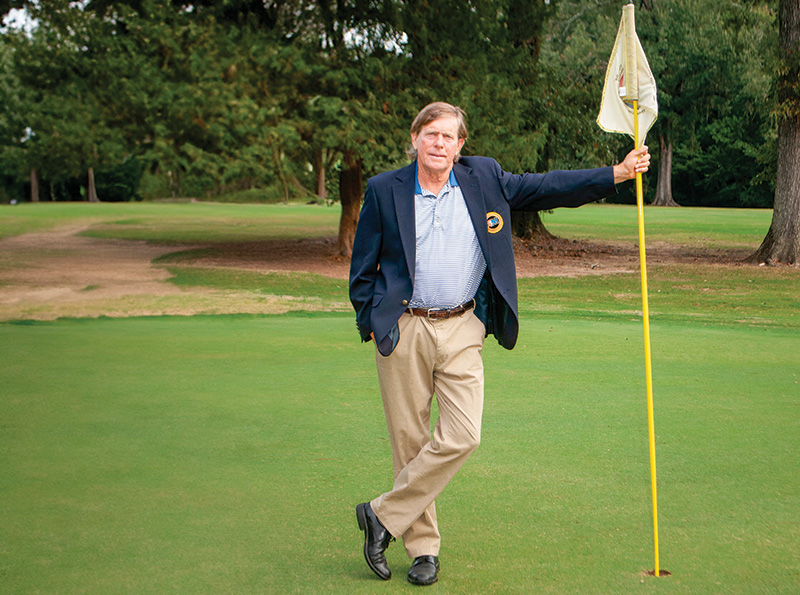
(432, 274)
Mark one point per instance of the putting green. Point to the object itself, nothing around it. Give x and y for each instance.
(226, 455)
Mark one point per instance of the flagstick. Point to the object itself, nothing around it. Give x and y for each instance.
(646, 321)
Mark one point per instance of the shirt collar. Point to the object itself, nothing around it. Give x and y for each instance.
(418, 189)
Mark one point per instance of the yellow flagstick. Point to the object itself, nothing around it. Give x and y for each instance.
(631, 80)
(646, 322)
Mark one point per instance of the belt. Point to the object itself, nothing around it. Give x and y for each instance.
(442, 313)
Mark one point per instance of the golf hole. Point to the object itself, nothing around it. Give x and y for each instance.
(661, 572)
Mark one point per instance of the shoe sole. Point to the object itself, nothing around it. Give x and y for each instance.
(421, 584)
(361, 515)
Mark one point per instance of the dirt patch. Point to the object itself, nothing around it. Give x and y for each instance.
(313, 255)
(60, 273)
(44, 276)
(61, 264)
(573, 258)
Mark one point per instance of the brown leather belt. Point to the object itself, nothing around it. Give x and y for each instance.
(442, 313)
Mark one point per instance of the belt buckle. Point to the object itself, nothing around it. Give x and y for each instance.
(428, 313)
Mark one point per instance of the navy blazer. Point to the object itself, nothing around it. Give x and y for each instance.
(384, 250)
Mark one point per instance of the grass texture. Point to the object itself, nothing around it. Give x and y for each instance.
(174, 223)
(696, 226)
(226, 455)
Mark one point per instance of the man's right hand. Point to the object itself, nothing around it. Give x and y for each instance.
(635, 162)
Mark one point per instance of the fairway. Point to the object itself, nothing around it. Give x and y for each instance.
(226, 454)
(206, 421)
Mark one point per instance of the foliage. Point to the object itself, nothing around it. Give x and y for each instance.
(120, 182)
(234, 96)
(715, 109)
(575, 53)
(485, 62)
(64, 75)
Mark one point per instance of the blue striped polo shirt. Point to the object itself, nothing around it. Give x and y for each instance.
(449, 265)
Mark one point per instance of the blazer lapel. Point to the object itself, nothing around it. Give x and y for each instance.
(403, 194)
(473, 196)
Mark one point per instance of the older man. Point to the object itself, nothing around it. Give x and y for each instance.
(432, 274)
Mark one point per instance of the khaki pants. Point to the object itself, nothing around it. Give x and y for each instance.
(440, 357)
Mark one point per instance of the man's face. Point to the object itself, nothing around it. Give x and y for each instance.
(437, 144)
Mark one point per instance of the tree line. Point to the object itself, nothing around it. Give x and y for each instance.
(112, 100)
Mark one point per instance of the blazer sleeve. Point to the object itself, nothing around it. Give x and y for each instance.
(558, 188)
(364, 261)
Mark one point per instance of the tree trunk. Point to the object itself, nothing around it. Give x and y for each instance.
(664, 188)
(319, 174)
(278, 156)
(34, 185)
(782, 242)
(92, 190)
(174, 184)
(350, 195)
(529, 226)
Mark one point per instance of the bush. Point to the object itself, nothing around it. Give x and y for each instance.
(155, 186)
(121, 182)
(269, 194)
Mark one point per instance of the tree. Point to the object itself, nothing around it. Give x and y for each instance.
(13, 166)
(326, 91)
(66, 85)
(782, 242)
(714, 123)
(576, 44)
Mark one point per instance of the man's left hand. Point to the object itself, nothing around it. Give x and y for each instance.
(635, 162)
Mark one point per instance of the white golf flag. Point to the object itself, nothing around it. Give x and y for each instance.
(628, 77)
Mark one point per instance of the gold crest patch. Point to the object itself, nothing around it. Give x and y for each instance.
(494, 222)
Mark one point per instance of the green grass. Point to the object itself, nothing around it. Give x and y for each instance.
(699, 294)
(273, 283)
(696, 226)
(226, 454)
(174, 223)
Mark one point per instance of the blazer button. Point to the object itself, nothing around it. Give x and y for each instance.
(405, 302)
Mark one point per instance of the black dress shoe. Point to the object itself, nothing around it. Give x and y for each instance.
(424, 570)
(376, 540)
